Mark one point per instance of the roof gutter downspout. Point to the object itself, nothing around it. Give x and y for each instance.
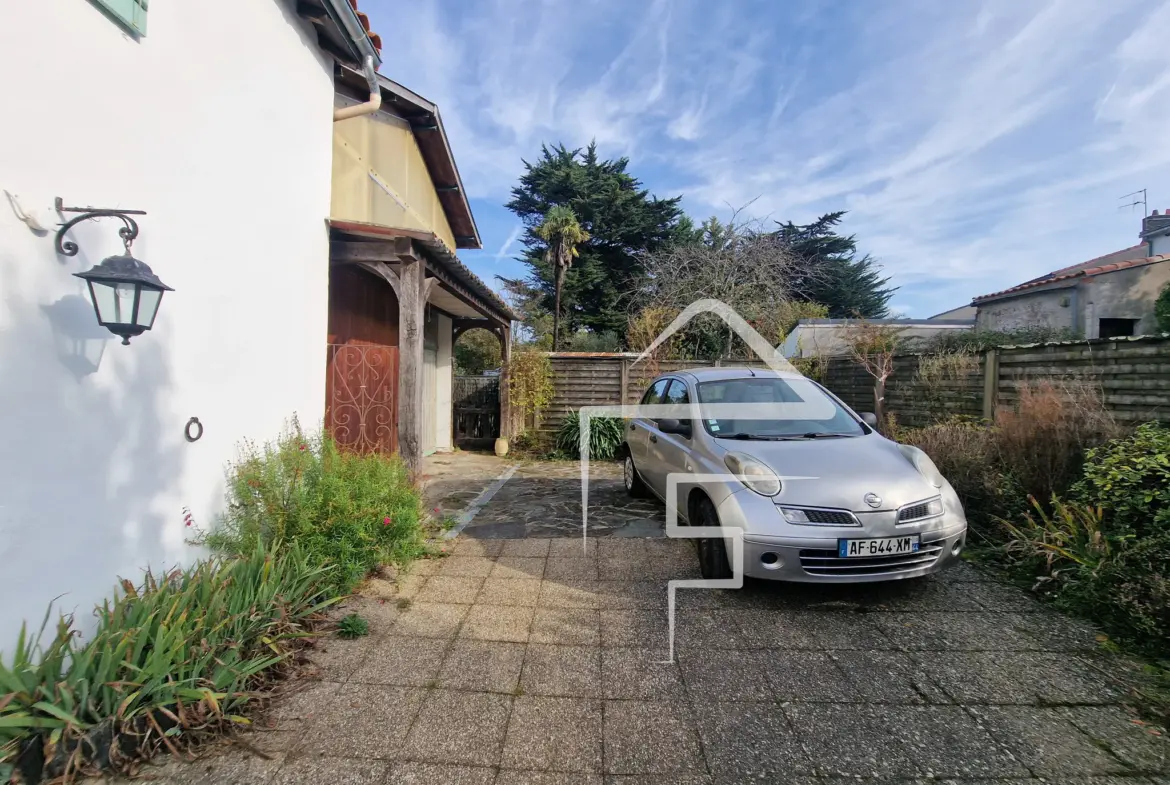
(370, 106)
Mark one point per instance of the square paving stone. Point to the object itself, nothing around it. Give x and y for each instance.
(706, 630)
(1056, 632)
(313, 771)
(573, 548)
(406, 662)
(1000, 598)
(297, 705)
(487, 666)
(519, 566)
(1114, 729)
(921, 596)
(466, 566)
(632, 673)
(497, 531)
(569, 626)
(632, 595)
(570, 569)
(624, 569)
(957, 631)
(380, 613)
(469, 547)
(334, 659)
(750, 743)
(566, 593)
(1045, 741)
(514, 777)
(510, 591)
(527, 547)
(724, 676)
(424, 568)
(776, 629)
(804, 677)
(846, 631)
(498, 623)
(366, 721)
(650, 737)
(634, 628)
(558, 734)
(441, 588)
(430, 620)
(850, 740)
(459, 727)
(409, 586)
(621, 548)
(886, 677)
(567, 671)
(669, 779)
(440, 774)
(944, 741)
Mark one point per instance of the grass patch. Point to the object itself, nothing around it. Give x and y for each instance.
(353, 626)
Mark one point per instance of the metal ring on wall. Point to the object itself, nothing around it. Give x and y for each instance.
(187, 430)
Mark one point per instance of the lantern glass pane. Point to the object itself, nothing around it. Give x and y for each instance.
(148, 306)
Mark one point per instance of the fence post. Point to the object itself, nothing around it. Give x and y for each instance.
(624, 376)
(990, 383)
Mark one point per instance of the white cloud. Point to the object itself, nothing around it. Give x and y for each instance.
(974, 144)
(506, 248)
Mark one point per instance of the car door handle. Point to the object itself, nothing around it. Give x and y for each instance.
(654, 438)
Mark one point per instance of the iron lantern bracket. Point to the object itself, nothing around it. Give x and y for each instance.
(128, 233)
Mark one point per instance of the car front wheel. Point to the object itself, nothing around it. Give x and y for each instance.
(634, 485)
(712, 551)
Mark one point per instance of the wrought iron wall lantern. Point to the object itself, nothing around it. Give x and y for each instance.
(125, 292)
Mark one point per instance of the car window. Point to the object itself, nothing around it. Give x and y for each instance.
(656, 392)
(677, 392)
(767, 390)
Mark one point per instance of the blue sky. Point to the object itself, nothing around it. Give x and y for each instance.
(974, 144)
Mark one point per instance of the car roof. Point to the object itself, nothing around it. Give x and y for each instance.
(724, 373)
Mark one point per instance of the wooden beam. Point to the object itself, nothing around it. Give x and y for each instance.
(505, 334)
(411, 303)
(351, 252)
(462, 292)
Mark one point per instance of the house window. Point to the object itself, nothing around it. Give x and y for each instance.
(1116, 328)
(131, 14)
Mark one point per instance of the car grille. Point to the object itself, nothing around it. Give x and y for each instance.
(913, 513)
(831, 517)
(827, 562)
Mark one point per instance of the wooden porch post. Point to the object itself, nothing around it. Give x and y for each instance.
(413, 287)
(505, 333)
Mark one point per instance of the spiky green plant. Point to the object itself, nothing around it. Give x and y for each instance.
(353, 626)
(171, 657)
(605, 436)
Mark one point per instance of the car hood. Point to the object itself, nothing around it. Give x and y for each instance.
(845, 470)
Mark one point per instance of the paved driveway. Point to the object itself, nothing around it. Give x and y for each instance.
(533, 661)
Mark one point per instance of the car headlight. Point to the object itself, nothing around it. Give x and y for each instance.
(752, 473)
(924, 465)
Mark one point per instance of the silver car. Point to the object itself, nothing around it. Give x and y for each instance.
(821, 496)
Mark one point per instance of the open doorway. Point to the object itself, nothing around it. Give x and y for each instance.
(478, 362)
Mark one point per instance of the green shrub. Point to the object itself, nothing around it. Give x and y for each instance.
(352, 512)
(1162, 309)
(353, 626)
(605, 436)
(1130, 478)
(175, 657)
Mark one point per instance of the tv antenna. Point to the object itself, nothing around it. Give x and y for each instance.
(1136, 202)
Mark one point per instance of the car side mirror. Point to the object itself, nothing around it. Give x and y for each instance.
(870, 419)
(677, 427)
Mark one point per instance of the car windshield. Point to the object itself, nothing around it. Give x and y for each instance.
(802, 410)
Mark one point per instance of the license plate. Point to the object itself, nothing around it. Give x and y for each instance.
(886, 546)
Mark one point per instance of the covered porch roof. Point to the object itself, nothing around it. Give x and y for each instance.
(461, 292)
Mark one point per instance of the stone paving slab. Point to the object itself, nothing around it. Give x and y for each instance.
(536, 678)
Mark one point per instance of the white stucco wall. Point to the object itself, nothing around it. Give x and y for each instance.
(444, 381)
(218, 124)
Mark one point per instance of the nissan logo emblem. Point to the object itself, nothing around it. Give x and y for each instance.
(873, 500)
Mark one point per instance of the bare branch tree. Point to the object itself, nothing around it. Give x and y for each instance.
(872, 346)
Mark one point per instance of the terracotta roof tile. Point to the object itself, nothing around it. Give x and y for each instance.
(375, 39)
(1083, 273)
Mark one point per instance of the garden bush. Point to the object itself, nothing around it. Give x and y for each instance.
(1130, 478)
(171, 660)
(1041, 439)
(349, 511)
(605, 437)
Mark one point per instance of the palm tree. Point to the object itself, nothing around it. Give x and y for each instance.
(561, 234)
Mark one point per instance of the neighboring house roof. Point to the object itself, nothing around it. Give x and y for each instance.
(1155, 224)
(1078, 272)
(342, 30)
(897, 322)
(439, 253)
(427, 126)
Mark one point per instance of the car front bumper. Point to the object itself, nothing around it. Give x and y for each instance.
(777, 550)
